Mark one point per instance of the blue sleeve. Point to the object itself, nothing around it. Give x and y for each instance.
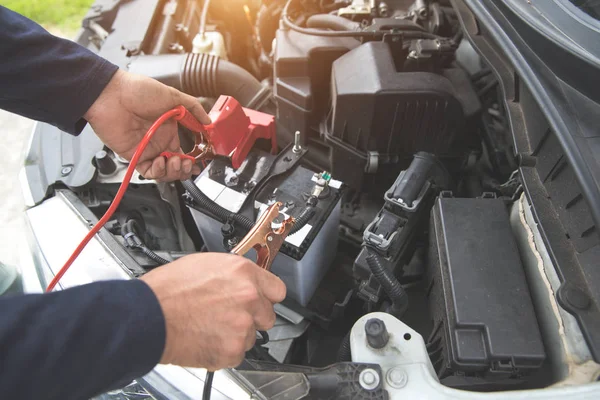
(79, 342)
(47, 78)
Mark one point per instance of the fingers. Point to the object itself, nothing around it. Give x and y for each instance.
(264, 315)
(271, 286)
(250, 340)
(168, 170)
(158, 168)
(193, 105)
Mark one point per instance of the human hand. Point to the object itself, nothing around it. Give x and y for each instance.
(213, 305)
(124, 111)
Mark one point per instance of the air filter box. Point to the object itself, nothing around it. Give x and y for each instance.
(382, 115)
(485, 327)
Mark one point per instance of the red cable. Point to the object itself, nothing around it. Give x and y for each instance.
(176, 112)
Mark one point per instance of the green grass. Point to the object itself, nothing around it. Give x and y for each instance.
(62, 16)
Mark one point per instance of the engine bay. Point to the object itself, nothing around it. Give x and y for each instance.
(389, 146)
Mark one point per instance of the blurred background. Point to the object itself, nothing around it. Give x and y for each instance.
(62, 18)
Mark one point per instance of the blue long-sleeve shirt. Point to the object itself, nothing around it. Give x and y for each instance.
(83, 341)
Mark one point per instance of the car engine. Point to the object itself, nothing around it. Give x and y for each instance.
(391, 149)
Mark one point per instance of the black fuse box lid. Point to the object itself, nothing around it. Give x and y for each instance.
(490, 323)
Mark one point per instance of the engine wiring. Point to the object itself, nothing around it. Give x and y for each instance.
(130, 232)
(287, 21)
(178, 112)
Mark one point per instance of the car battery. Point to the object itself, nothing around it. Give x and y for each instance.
(307, 254)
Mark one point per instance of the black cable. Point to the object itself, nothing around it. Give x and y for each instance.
(345, 353)
(208, 385)
(389, 283)
(210, 375)
(358, 34)
(130, 234)
(264, 338)
(153, 256)
(214, 208)
(302, 220)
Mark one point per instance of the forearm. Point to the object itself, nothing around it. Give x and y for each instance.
(47, 78)
(79, 342)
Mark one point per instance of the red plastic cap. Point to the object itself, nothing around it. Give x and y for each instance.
(234, 129)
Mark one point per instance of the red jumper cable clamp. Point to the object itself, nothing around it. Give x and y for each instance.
(232, 132)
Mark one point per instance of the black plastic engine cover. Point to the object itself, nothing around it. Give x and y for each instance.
(302, 71)
(485, 328)
(382, 115)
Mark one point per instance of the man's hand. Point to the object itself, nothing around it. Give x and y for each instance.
(125, 110)
(213, 305)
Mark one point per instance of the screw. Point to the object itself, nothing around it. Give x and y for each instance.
(396, 377)
(66, 171)
(270, 238)
(297, 145)
(369, 379)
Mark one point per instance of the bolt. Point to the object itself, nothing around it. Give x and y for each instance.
(369, 379)
(227, 230)
(270, 238)
(66, 171)
(297, 145)
(397, 378)
(377, 334)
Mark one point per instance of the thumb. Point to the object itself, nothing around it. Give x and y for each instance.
(193, 105)
(271, 286)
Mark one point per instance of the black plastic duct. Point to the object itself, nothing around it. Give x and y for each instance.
(203, 75)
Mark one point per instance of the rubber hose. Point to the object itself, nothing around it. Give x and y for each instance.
(203, 75)
(345, 353)
(214, 208)
(302, 219)
(390, 285)
(333, 22)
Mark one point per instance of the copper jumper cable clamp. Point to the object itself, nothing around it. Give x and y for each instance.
(265, 239)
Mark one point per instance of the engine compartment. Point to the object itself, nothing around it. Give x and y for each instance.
(406, 179)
